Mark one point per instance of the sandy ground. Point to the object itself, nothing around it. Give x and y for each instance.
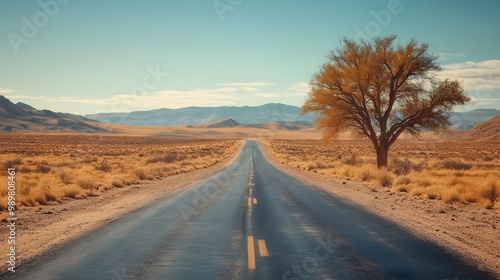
(41, 228)
(467, 230)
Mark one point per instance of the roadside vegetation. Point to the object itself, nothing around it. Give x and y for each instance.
(51, 168)
(456, 172)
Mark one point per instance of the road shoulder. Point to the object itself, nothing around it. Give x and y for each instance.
(466, 230)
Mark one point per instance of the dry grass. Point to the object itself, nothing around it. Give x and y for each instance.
(455, 172)
(51, 168)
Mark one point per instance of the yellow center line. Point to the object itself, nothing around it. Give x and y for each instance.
(251, 253)
(255, 201)
(249, 201)
(262, 248)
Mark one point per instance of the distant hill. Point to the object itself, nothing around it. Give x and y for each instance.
(297, 125)
(22, 117)
(272, 112)
(25, 106)
(489, 130)
(227, 123)
(224, 123)
(468, 120)
(230, 123)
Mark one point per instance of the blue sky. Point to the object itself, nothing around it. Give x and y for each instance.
(100, 56)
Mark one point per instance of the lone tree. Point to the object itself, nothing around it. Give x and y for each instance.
(380, 89)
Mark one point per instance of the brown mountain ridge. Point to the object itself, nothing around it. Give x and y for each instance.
(22, 117)
(489, 130)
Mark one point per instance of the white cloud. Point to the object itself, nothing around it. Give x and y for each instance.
(444, 56)
(159, 99)
(60, 99)
(6, 90)
(294, 90)
(249, 88)
(253, 84)
(267, 95)
(300, 88)
(476, 76)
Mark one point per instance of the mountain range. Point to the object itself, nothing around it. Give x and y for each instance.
(271, 112)
(21, 117)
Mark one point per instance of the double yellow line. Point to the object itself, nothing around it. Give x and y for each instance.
(250, 240)
(251, 251)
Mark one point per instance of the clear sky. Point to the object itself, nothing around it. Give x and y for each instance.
(88, 56)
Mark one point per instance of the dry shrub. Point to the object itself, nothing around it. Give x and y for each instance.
(88, 160)
(73, 191)
(384, 178)
(310, 166)
(401, 188)
(144, 173)
(25, 184)
(449, 195)
(42, 168)
(404, 166)
(12, 163)
(403, 180)
(423, 183)
(490, 192)
(3, 204)
(87, 183)
(401, 167)
(65, 176)
(456, 165)
(24, 169)
(170, 158)
(351, 159)
(42, 196)
(103, 166)
(118, 181)
(488, 158)
(365, 174)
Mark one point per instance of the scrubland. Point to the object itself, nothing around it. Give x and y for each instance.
(51, 168)
(458, 172)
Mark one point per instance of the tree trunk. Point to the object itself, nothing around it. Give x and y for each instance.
(382, 154)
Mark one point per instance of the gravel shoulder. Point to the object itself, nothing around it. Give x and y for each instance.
(466, 230)
(41, 228)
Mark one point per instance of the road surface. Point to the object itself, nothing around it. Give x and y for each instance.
(249, 221)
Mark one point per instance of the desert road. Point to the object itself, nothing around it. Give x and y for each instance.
(249, 221)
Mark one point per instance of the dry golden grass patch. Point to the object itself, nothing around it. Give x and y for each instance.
(453, 171)
(50, 168)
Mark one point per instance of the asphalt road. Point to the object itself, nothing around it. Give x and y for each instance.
(249, 221)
